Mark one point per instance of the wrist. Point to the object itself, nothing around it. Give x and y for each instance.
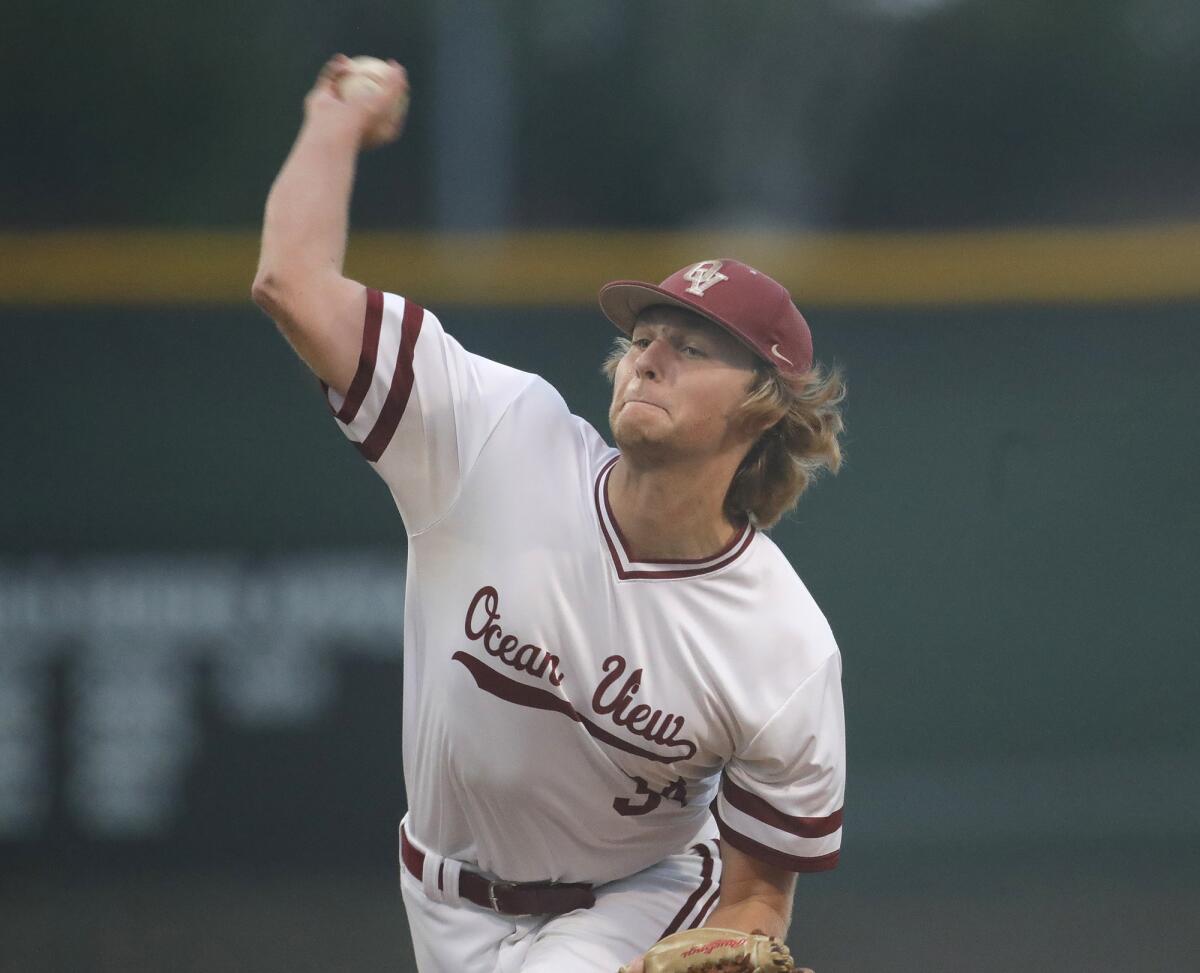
(333, 125)
(749, 917)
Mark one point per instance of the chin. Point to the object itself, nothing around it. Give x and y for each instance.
(641, 445)
(627, 438)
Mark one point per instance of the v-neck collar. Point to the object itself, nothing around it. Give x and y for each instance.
(629, 569)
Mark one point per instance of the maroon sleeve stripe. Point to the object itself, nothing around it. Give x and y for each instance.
(756, 807)
(755, 849)
(360, 385)
(401, 386)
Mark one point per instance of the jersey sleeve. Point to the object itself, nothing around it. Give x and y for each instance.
(420, 408)
(781, 795)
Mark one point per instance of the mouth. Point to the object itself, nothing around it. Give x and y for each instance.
(653, 405)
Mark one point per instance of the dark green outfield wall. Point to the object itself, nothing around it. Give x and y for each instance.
(1009, 558)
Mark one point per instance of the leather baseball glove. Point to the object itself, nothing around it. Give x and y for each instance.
(718, 951)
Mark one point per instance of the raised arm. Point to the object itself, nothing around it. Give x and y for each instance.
(299, 282)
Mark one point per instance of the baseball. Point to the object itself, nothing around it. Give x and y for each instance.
(366, 78)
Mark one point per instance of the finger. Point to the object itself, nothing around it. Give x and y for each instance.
(332, 65)
(333, 70)
(399, 76)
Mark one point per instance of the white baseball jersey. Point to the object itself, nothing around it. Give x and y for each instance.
(571, 713)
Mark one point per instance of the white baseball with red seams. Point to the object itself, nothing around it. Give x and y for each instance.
(570, 712)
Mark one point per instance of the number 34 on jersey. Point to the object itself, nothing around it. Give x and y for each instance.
(650, 799)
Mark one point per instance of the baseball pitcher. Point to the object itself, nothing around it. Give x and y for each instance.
(623, 728)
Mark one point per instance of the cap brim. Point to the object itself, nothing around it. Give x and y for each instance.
(623, 300)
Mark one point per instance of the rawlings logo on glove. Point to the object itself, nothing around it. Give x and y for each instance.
(717, 951)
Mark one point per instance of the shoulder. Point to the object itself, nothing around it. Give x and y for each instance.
(419, 333)
(797, 637)
(538, 436)
(540, 408)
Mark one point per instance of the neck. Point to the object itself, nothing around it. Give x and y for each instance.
(671, 512)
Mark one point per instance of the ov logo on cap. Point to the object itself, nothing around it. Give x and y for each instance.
(703, 275)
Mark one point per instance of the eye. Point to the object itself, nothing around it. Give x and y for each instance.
(691, 351)
(640, 342)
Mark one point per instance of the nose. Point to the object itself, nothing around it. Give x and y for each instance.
(649, 362)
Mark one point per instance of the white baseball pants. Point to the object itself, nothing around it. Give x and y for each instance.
(629, 916)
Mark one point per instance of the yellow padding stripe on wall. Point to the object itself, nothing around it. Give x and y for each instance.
(1053, 265)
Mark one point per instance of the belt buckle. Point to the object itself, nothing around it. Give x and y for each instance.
(528, 886)
(492, 886)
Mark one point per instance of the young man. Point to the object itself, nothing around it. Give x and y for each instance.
(607, 665)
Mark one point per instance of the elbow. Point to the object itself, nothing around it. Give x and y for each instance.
(274, 293)
(268, 291)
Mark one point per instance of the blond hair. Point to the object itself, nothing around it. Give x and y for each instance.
(803, 417)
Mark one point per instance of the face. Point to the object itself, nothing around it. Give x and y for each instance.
(676, 392)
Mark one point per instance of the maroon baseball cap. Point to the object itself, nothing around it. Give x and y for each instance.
(748, 304)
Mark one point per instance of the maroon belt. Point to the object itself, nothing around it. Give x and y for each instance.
(506, 898)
